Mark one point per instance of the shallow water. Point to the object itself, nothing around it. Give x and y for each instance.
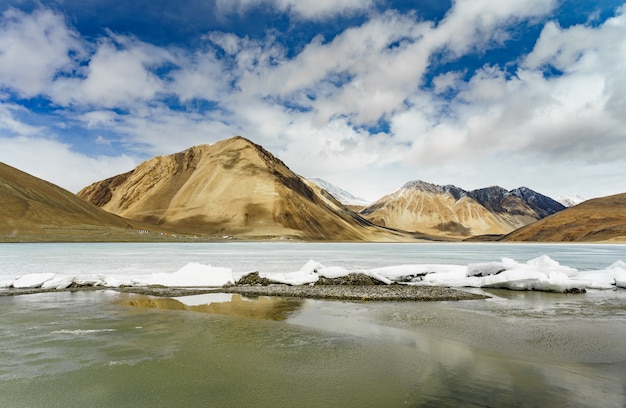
(103, 349)
(107, 349)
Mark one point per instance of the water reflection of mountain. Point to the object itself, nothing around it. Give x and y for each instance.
(263, 307)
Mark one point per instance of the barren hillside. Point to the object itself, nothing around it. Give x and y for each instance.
(34, 210)
(599, 219)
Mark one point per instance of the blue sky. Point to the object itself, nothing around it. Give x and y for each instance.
(366, 94)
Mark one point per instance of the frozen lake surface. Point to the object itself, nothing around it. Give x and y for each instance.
(100, 349)
(556, 268)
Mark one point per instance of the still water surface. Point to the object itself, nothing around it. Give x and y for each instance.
(104, 349)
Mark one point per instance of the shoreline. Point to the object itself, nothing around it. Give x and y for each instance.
(380, 293)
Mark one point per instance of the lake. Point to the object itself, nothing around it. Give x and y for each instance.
(103, 348)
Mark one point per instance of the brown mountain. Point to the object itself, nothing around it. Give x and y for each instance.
(233, 187)
(599, 219)
(453, 212)
(34, 210)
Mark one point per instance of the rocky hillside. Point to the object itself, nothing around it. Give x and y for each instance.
(34, 210)
(599, 219)
(231, 188)
(454, 212)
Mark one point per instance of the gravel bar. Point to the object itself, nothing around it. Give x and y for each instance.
(335, 292)
(357, 292)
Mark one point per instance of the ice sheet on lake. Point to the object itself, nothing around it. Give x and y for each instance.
(542, 273)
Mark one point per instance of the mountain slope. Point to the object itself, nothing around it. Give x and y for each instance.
(233, 187)
(454, 212)
(344, 197)
(32, 209)
(599, 219)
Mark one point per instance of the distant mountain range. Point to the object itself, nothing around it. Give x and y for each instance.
(231, 188)
(452, 211)
(237, 189)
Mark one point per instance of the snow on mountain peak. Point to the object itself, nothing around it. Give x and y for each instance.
(340, 194)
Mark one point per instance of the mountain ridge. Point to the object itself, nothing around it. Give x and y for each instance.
(454, 211)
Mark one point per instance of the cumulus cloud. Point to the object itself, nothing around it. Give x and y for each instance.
(34, 48)
(119, 73)
(475, 25)
(569, 116)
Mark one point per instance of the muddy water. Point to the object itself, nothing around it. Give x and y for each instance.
(104, 349)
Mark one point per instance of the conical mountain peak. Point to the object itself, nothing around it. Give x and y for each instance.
(232, 187)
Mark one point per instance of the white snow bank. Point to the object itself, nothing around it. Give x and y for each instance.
(542, 273)
(58, 282)
(307, 274)
(613, 276)
(32, 280)
(191, 275)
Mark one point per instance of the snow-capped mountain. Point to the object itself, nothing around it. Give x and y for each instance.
(570, 200)
(340, 194)
(452, 211)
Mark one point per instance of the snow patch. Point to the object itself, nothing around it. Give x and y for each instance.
(192, 275)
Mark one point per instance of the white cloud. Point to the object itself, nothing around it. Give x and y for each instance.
(313, 109)
(560, 129)
(117, 75)
(9, 123)
(157, 130)
(304, 9)
(363, 73)
(475, 25)
(201, 77)
(102, 140)
(33, 49)
(57, 163)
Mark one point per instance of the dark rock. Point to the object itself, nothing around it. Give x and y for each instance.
(354, 279)
(576, 290)
(254, 278)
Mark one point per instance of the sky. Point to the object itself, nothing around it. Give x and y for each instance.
(365, 94)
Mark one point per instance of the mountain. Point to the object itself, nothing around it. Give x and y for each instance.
(34, 210)
(520, 205)
(341, 195)
(599, 219)
(454, 212)
(231, 188)
(570, 201)
(542, 205)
